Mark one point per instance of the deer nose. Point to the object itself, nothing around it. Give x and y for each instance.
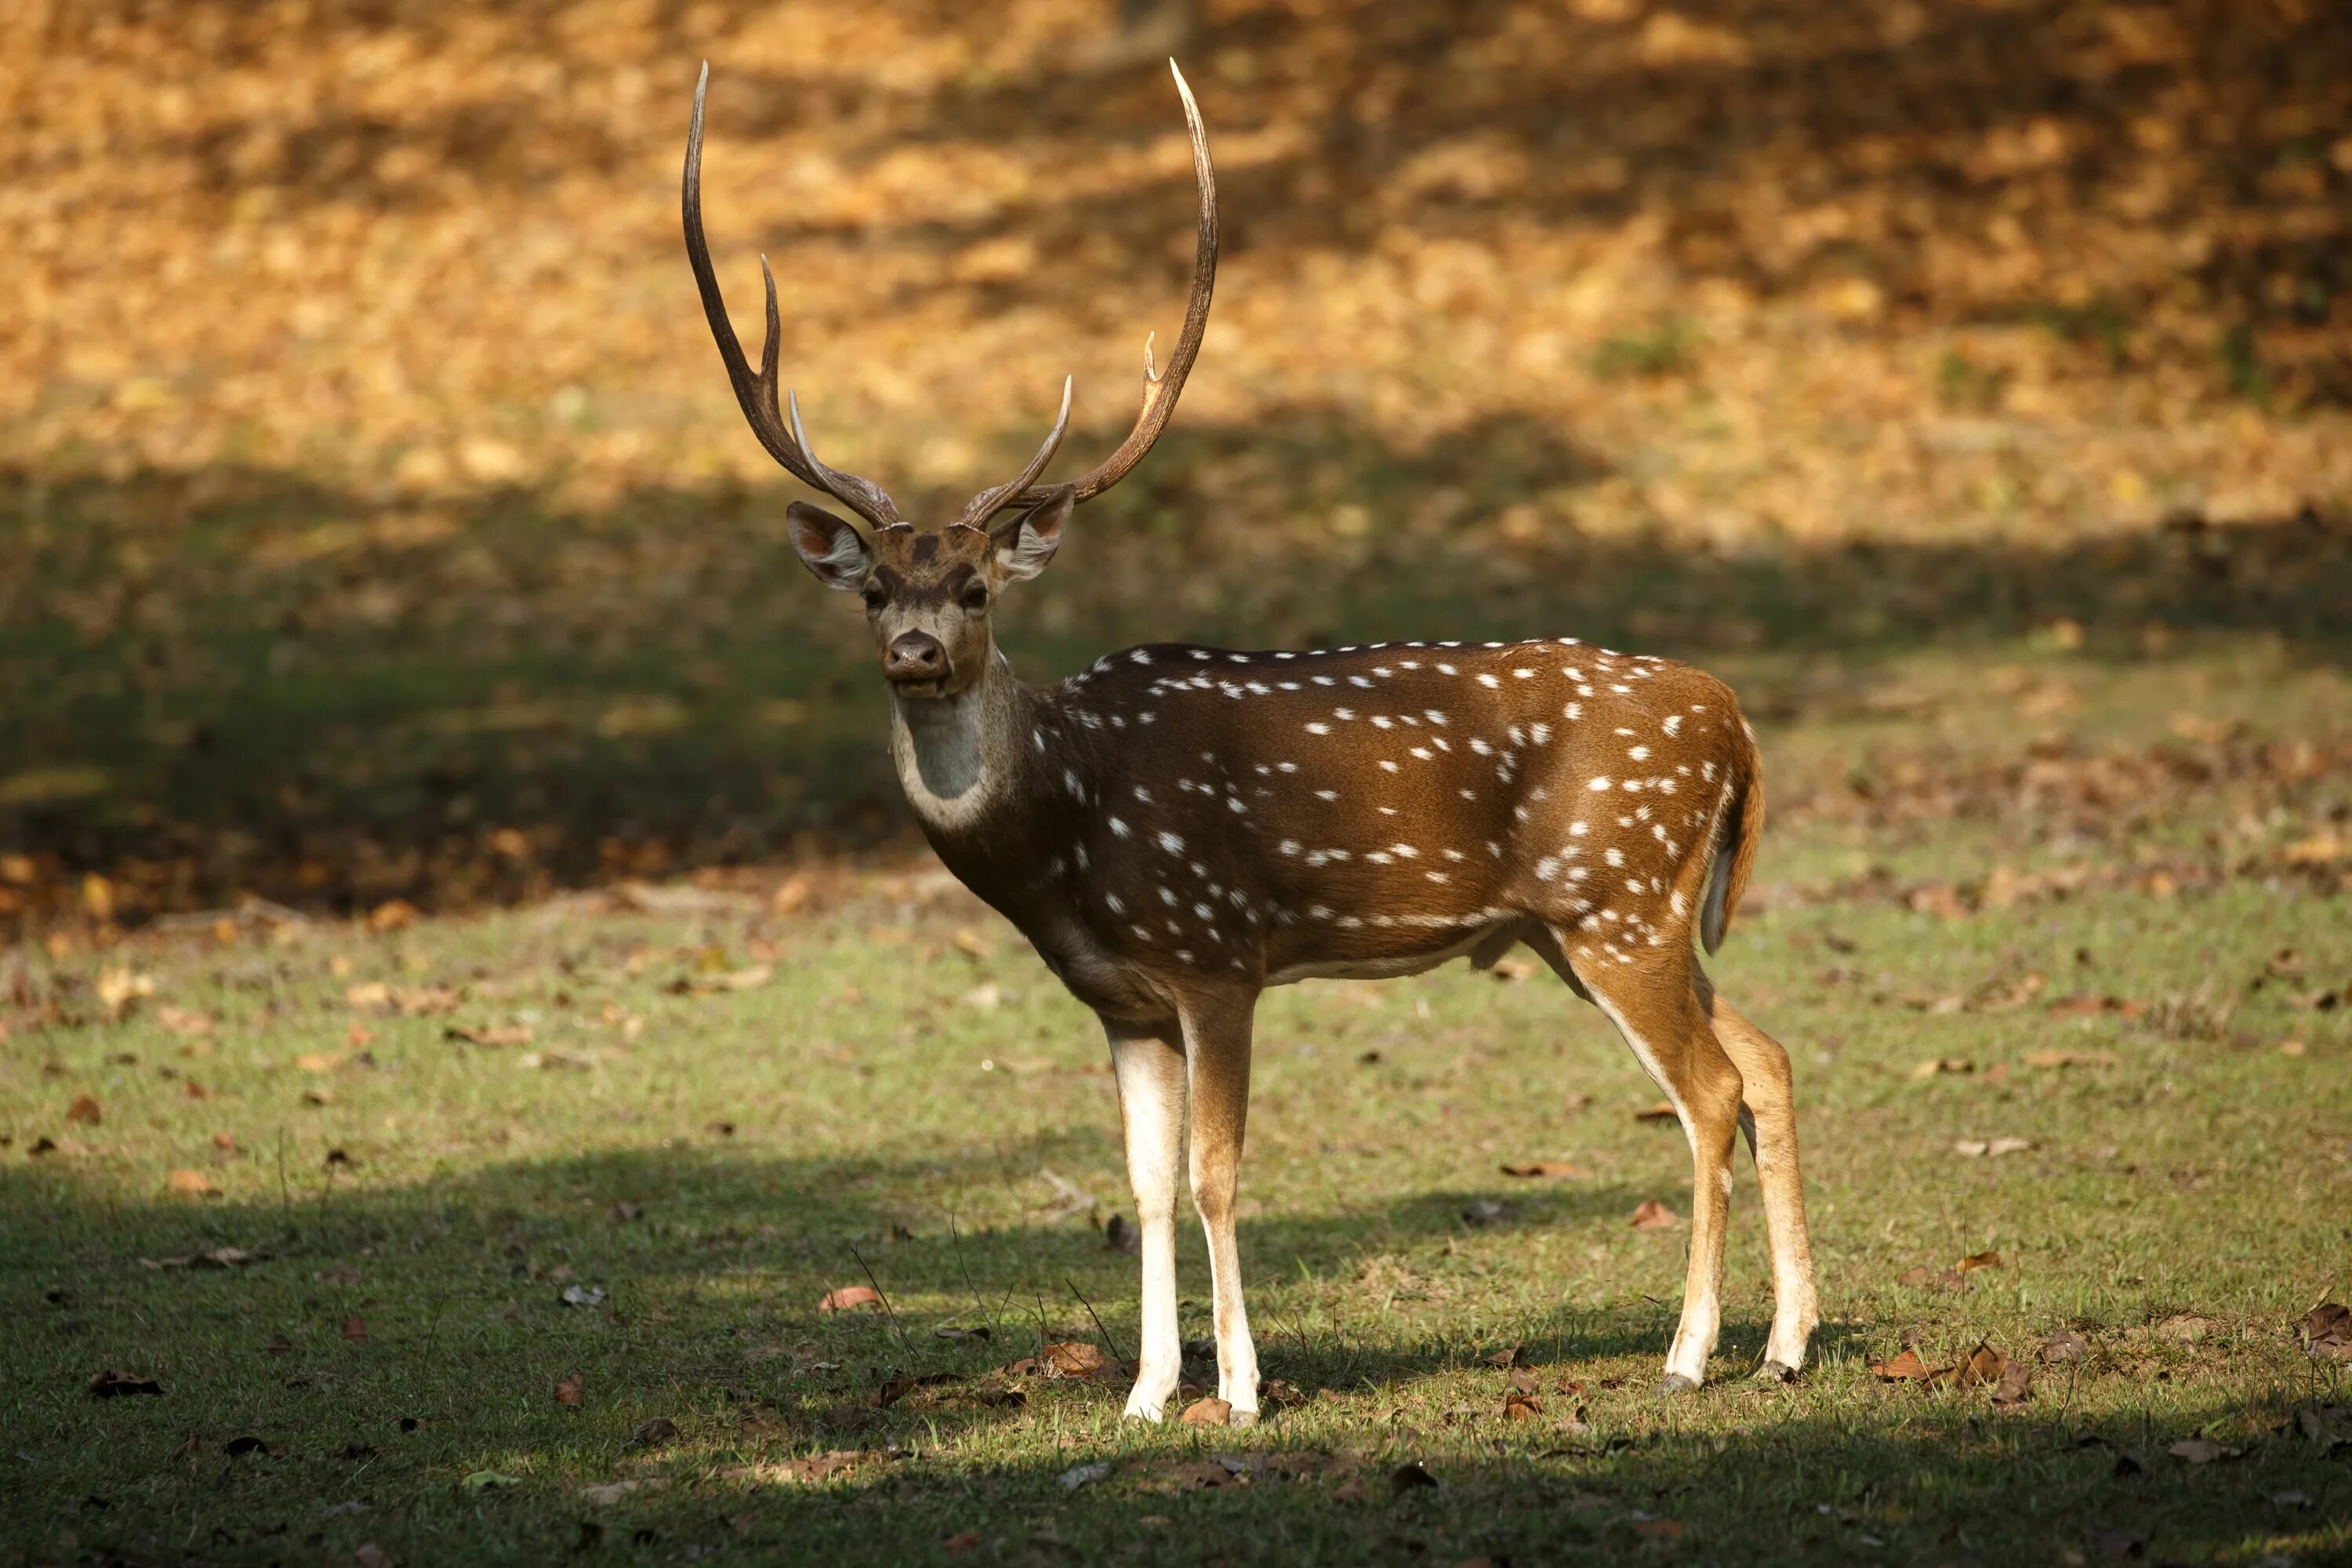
(914, 656)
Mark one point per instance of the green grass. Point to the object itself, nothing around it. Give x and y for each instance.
(886, 1116)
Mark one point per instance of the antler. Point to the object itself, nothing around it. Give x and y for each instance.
(988, 503)
(1160, 388)
(757, 394)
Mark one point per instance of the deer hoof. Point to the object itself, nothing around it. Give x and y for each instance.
(1674, 1382)
(1776, 1372)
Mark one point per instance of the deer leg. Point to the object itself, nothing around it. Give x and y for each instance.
(1148, 1061)
(1217, 1052)
(1658, 1013)
(1768, 1117)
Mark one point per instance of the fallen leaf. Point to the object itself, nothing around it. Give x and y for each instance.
(237, 1447)
(2063, 1347)
(355, 1330)
(184, 1020)
(1651, 1214)
(1509, 971)
(317, 1061)
(2202, 1451)
(971, 943)
(112, 1385)
(1976, 1260)
(483, 1480)
(1661, 1111)
(1209, 1411)
(2062, 1058)
(194, 1183)
(569, 1391)
(225, 1141)
(2327, 1331)
(1905, 1368)
(318, 1097)
(983, 998)
(2119, 1544)
(1943, 1065)
(962, 1542)
(194, 1090)
(338, 1159)
(393, 914)
(1981, 1367)
(1078, 1476)
(611, 1492)
(491, 1035)
(1977, 1148)
(1483, 1212)
(849, 1298)
(653, 1433)
(1659, 1529)
(1547, 1169)
(1119, 1236)
(369, 1555)
(85, 1111)
(2015, 1386)
(583, 1296)
(1521, 1405)
(746, 979)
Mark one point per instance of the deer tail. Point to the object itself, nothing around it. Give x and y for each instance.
(1740, 829)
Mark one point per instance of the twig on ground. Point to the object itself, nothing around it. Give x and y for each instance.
(899, 1328)
(1109, 1343)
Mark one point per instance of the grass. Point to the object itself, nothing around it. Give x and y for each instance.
(730, 1105)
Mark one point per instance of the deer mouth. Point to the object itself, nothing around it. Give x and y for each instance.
(920, 688)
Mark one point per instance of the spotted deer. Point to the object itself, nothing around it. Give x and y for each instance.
(1180, 828)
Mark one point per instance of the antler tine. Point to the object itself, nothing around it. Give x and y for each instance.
(988, 502)
(1161, 389)
(755, 394)
(864, 496)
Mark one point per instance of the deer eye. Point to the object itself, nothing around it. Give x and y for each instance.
(876, 595)
(974, 597)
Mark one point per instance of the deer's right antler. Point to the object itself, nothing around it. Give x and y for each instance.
(756, 394)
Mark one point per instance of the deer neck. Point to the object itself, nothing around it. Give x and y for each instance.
(957, 757)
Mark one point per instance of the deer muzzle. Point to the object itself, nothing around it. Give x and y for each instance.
(915, 660)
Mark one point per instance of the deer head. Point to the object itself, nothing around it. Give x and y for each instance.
(929, 593)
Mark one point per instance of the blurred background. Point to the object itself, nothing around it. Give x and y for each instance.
(377, 528)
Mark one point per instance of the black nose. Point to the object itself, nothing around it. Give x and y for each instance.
(915, 655)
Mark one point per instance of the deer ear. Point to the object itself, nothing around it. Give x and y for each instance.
(1026, 543)
(836, 553)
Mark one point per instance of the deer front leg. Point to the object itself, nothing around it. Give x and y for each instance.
(1217, 1053)
(1149, 1062)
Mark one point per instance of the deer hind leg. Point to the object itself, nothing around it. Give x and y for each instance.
(1149, 1062)
(1768, 1117)
(1217, 1054)
(1658, 1013)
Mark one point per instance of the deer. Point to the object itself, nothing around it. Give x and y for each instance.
(1177, 828)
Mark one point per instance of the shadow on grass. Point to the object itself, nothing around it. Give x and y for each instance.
(233, 681)
(395, 1341)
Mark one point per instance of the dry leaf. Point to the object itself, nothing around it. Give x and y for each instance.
(1509, 971)
(2063, 1347)
(850, 1298)
(1929, 1069)
(317, 1061)
(972, 944)
(491, 1034)
(182, 1020)
(84, 1112)
(2202, 1451)
(2062, 1058)
(1976, 1148)
(355, 1330)
(569, 1390)
(750, 978)
(1981, 1367)
(112, 1385)
(2327, 1331)
(1661, 1111)
(653, 1433)
(194, 1183)
(1976, 1260)
(1905, 1368)
(2015, 1386)
(1209, 1411)
(1543, 1168)
(1651, 1214)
